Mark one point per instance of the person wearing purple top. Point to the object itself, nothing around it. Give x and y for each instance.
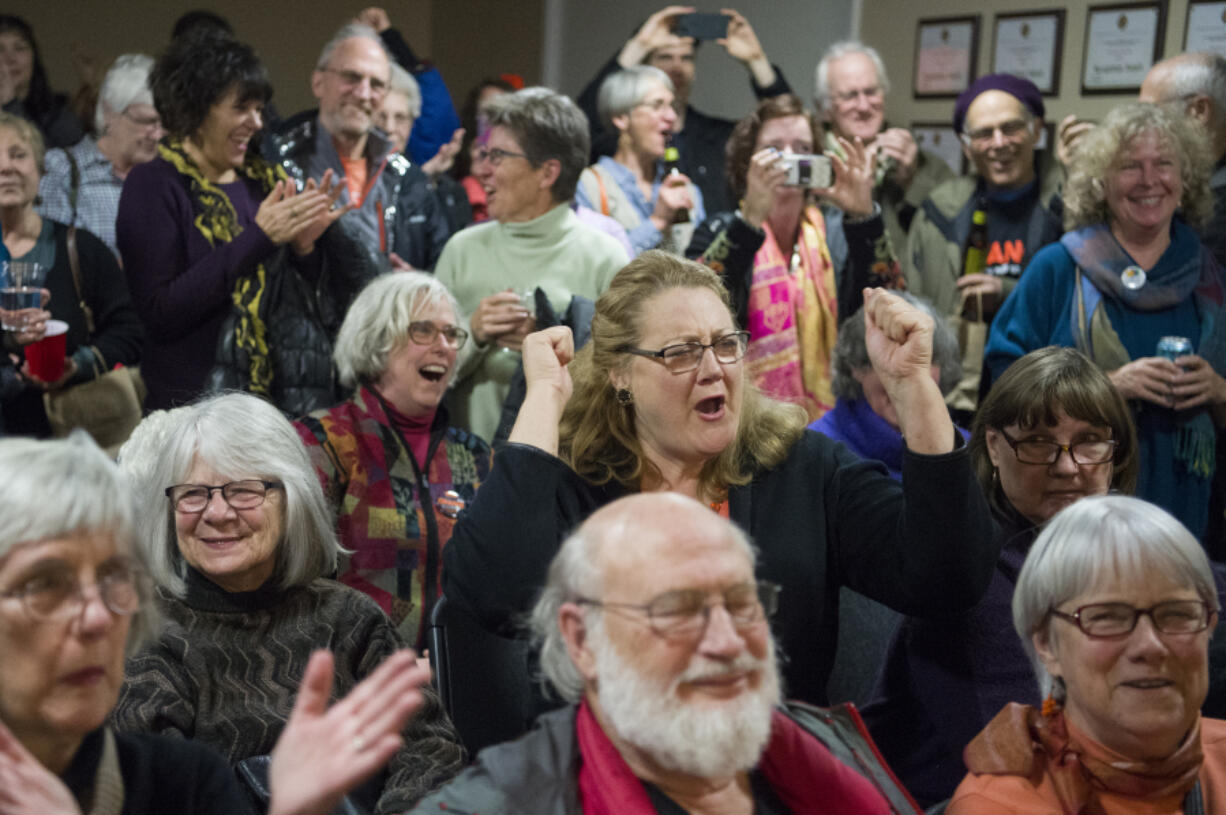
(863, 418)
(200, 228)
(946, 677)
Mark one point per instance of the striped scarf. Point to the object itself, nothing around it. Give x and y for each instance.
(793, 319)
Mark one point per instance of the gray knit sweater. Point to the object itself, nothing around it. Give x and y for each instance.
(227, 666)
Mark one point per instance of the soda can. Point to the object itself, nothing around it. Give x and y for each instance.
(1172, 347)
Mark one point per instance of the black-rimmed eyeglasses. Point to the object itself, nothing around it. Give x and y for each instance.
(687, 356)
(246, 494)
(495, 155)
(1035, 451)
(684, 613)
(1106, 620)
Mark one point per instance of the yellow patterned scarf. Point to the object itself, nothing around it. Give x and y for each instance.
(218, 222)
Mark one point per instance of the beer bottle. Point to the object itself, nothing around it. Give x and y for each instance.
(976, 243)
(672, 158)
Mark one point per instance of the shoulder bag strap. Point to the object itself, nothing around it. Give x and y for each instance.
(74, 174)
(74, 263)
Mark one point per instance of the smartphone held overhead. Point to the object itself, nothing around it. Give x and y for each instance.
(702, 26)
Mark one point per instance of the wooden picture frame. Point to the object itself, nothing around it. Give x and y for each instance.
(1030, 44)
(946, 56)
(1122, 42)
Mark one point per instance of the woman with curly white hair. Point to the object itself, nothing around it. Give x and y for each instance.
(1129, 273)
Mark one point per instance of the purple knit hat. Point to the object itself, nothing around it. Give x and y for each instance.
(1023, 90)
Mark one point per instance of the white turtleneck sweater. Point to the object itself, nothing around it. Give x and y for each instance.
(555, 252)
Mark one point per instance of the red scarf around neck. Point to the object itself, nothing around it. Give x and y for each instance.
(798, 767)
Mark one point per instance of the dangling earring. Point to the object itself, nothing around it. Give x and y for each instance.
(624, 397)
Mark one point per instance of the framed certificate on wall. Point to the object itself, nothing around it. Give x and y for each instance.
(1123, 41)
(940, 139)
(1029, 44)
(946, 49)
(1206, 29)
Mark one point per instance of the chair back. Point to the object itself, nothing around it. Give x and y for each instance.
(484, 680)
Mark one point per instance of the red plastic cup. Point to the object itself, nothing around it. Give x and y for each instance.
(47, 356)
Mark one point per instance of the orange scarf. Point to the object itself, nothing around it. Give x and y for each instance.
(1021, 741)
(793, 319)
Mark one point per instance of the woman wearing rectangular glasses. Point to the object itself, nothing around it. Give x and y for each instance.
(1115, 606)
(393, 467)
(662, 402)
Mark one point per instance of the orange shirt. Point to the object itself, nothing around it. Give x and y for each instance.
(355, 178)
(988, 794)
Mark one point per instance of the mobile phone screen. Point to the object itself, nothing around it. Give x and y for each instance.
(702, 26)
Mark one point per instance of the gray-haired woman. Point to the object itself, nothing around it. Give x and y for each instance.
(72, 600)
(863, 417)
(81, 184)
(394, 470)
(238, 546)
(632, 186)
(1115, 606)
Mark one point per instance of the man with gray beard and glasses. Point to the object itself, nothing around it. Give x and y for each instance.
(653, 628)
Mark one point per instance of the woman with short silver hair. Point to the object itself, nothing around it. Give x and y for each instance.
(863, 417)
(634, 186)
(1115, 605)
(393, 469)
(82, 183)
(1132, 286)
(73, 599)
(239, 552)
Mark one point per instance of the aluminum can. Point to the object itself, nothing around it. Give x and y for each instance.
(1172, 347)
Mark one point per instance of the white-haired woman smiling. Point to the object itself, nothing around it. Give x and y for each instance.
(71, 601)
(1115, 605)
(394, 470)
(631, 186)
(238, 538)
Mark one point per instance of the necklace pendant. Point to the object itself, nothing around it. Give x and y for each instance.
(1133, 278)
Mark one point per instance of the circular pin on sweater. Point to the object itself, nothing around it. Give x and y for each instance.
(450, 503)
(1133, 278)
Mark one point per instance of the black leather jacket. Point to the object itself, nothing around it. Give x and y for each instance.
(400, 213)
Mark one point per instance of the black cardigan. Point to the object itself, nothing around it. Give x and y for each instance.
(822, 519)
(161, 775)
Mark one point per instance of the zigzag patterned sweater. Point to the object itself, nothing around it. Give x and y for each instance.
(226, 668)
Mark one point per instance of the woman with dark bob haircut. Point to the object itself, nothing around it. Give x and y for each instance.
(209, 227)
(794, 269)
(24, 90)
(1052, 431)
(659, 400)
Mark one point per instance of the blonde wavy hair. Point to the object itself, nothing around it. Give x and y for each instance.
(598, 435)
(1085, 194)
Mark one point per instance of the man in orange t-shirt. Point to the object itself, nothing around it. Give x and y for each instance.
(395, 211)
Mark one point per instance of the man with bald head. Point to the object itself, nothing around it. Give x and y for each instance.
(395, 214)
(1196, 82)
(652, 626)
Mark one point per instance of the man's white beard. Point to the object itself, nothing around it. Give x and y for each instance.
(710, 741)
